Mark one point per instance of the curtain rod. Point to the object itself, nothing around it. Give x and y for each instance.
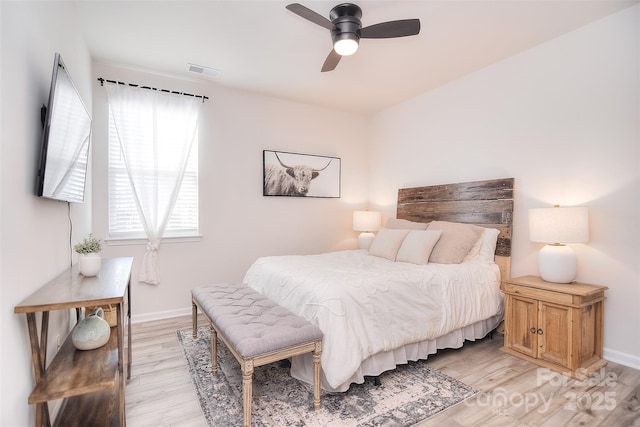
(101, 80)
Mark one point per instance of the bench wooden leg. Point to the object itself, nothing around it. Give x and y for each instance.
(214, 351)
(194, 320)
(247, 385)
(317, 352)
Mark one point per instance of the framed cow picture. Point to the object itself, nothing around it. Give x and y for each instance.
(300, 175)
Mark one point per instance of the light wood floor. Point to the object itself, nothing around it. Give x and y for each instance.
(513, 392)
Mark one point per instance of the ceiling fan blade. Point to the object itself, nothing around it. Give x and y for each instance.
(331, 62)
(391, 29)
(310, 15)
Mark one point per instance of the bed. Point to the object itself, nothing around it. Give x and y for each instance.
(382, 307)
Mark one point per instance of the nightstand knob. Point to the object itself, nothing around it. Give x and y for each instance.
(532, 330)
(539, 331)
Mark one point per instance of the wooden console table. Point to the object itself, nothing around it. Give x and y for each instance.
(91, 382)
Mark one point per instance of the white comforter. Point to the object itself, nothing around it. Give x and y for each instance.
(366, 304)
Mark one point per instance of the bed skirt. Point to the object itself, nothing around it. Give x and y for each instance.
(302, 366)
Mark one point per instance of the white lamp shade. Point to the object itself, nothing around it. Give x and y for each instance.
(366, 220)
(559, 225)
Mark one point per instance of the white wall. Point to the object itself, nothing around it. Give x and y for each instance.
(238, 224)
(34, 234)
(563, 119)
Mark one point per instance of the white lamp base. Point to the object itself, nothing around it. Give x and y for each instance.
(365, 239)
(557, 264)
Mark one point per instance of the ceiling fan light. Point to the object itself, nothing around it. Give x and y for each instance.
(345, 46)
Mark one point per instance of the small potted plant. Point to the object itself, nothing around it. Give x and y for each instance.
(89, 261)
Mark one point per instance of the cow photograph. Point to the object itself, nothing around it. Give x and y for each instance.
(300, 175)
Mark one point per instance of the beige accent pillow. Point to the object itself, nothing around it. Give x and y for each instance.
(455, 242)
(405, 224)
(474, 252)
(387, 242)
(417, 246)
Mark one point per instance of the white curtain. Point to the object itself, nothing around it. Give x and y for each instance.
(156, 132)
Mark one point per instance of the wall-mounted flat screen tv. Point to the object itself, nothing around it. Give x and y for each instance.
(65, 140)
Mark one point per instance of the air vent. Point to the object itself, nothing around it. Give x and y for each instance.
(199, 69)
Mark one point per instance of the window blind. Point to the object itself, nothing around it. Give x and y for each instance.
(124, 220)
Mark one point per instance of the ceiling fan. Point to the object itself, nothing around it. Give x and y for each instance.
(346, 29)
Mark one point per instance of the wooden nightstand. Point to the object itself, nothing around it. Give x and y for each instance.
(558, 326)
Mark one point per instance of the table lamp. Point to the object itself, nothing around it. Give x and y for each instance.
(557, 226)
(367, 222)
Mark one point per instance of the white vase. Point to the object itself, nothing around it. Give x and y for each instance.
(89, 264)
(92, 332)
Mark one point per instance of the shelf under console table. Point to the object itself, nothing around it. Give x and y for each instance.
(91, 382)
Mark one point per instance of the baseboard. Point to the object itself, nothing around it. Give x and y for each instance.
(625, 359)
(159, 315)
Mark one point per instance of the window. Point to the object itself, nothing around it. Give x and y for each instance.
(124, 221)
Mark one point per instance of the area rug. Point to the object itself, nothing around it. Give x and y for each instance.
(409, 394)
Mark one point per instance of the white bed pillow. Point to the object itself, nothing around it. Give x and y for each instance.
(395, 223)
(489, 242)
(417, 246)
(485, 247)
(387, 242)
(455, 242)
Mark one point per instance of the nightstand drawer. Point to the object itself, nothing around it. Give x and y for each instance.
(537, 294)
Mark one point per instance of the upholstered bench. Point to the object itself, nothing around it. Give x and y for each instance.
(257, 331)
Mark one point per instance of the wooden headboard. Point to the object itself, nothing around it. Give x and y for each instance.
(484, 203)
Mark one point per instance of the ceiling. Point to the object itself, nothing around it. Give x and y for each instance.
(262, 47)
